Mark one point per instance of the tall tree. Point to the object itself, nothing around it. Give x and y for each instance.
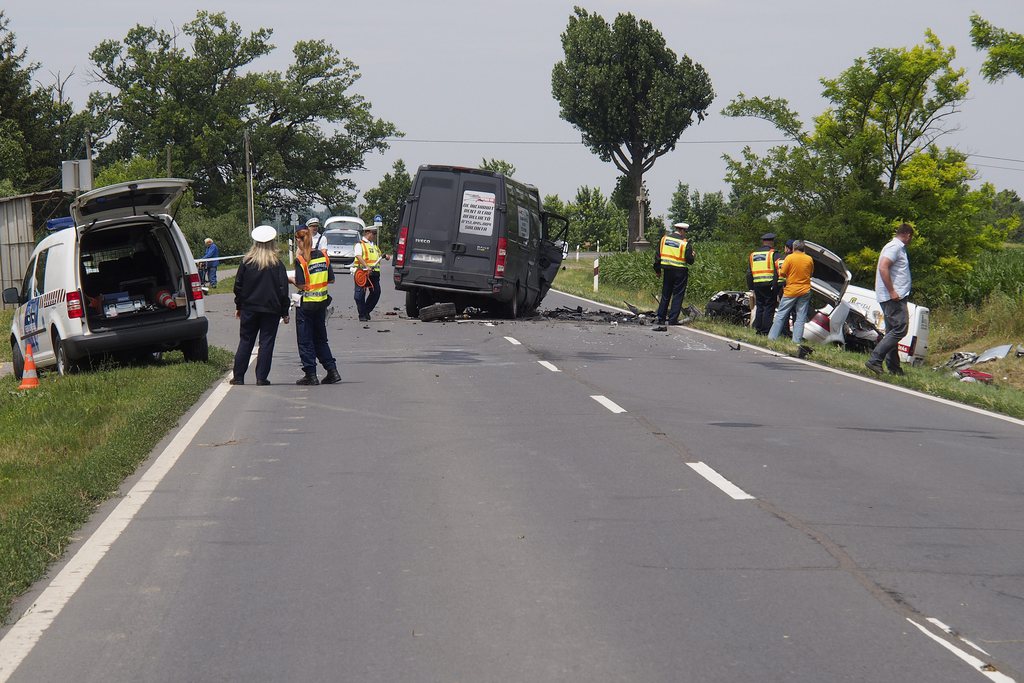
(387, 200)
(837, 181)
(702, 212)
(29, 152)
(628, 93)
(194, 94)
(1005, 49)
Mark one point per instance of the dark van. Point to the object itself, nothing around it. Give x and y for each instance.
(476, 238)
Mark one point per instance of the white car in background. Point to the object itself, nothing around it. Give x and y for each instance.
(340, 237)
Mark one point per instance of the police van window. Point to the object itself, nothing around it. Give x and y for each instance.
(26, 285)
(40, 283)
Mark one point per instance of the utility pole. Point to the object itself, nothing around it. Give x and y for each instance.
(250, 204)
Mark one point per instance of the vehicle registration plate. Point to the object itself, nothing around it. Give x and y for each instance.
(427, 258)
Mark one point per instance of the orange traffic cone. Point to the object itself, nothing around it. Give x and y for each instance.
(29, 378)
(165, 299)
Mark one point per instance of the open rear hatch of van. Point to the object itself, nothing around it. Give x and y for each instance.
(135, 198)
(455, 240)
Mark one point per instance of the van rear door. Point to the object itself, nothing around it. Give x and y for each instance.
(454, 235)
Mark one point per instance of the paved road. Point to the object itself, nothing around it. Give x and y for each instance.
(538, 501)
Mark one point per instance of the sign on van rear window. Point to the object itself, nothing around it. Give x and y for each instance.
(477, 213)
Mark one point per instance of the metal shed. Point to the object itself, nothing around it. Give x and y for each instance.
(16, 235)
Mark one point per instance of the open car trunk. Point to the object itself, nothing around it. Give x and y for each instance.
(132, 275)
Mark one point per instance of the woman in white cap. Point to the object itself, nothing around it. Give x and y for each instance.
(261, 302)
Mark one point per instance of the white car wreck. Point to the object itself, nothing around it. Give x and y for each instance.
(845, 315)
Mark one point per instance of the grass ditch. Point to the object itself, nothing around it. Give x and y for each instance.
(67, 446)
(999, 320)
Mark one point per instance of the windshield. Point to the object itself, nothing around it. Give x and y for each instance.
(341, 239)
(336, 224)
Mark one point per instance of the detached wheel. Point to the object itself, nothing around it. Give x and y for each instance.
(18, 360)
(196, 350)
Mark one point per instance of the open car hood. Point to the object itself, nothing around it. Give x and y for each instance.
(135, 198)
(830, 278)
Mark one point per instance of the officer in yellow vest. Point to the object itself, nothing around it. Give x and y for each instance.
(312, 275)
(672, 262)
(763, 279)
(368, 257)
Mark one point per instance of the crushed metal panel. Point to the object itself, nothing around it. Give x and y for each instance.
(995, 353)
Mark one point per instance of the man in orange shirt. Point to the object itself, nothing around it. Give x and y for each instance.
(797, 270)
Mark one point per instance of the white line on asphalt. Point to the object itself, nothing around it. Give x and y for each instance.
(610, 405)
(825, 368)
(730, 489)
(952, 633)
(978, 665)
(23, 636)
(549, 366)
(513, 341)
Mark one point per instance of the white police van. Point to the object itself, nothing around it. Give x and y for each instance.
(121, 281)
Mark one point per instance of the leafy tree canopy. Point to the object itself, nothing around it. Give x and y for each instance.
(498, 166)
(194, 93)
(702, 212)
(627, 93)
(387, 201)
(869, 161)
(1005, 49)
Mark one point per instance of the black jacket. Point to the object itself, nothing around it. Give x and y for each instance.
(262, 291)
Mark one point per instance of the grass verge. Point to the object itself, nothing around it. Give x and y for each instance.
(67, 445)
(974, 329)
(6, 316)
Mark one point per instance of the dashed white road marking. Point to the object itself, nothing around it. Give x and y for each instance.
(549, 366)
(979, 666)
(513, 341)
(730, 489)
(609, 404)
(24, 635)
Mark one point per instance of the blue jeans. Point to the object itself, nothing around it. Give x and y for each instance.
(311, 335)
(803, 305)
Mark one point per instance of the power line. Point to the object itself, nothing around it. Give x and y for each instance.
(562, 142)
(681, 142)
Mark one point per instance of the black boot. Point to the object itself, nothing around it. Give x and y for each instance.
(309, 380)
(333, 377)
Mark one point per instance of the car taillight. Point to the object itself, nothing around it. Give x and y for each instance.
(499, 262)
(822, 321)
(74, 302)
(197, 286)
(403, 236)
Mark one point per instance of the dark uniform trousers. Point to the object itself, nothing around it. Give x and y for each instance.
(673, 288)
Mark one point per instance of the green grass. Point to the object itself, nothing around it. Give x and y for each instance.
(5, 325)
(999, 320)
(67, 445)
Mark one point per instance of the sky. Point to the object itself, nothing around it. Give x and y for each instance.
(467, 80)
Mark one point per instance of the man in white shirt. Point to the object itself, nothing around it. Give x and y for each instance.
(892, 287)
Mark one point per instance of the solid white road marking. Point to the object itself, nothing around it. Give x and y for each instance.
(950, 632)
(513, 341)
(730, 489)
(549, 366)
(610, 405)
(23, 636)
(978, 665)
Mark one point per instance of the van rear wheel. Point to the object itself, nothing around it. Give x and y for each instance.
(196, 350)
(412, 304)
(514, 308)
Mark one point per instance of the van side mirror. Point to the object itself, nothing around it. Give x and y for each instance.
(11, 296)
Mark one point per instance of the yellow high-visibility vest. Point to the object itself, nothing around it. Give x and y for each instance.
(371, 255)
(673, 252)
(316, 272)
(762, 266)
